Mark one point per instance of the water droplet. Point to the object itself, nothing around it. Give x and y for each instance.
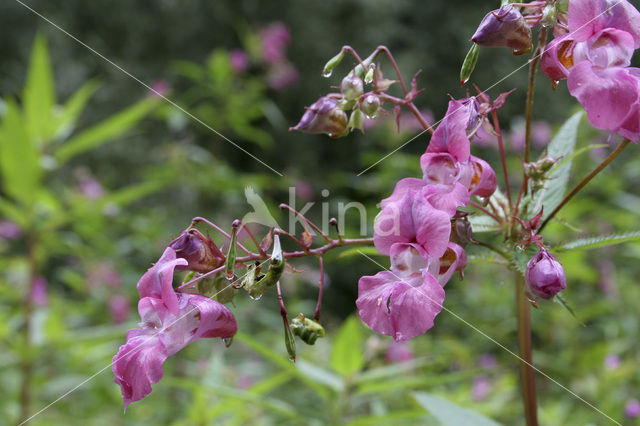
(255, 297)
(227, 341)
(292, 358)
(327, 73)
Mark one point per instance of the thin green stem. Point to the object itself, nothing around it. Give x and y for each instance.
(586, 180)
(527, 378)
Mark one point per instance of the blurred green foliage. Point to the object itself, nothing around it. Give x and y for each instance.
(156, 168)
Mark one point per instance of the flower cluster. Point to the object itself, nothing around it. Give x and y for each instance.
(170, 320)
(415, 228)
(594, 57)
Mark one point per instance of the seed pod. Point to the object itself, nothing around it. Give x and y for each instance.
(469, 64)
(276, 268)
(308, 330)
(332, 63)
(289, 340)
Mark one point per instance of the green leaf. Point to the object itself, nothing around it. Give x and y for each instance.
(561, 146)
(39, 96)
(559, 299)
(483, 223)
(320, 375)
(19, 159)
(603, 241)
(105, 131)
(346, 356)
(65, 123)
(450, 414)
(521, 258)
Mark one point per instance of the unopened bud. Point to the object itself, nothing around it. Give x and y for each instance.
(356, 121)
(370, 105)
(549, 16)
(200, 252)
(324, 116)
(351, 87)
(469, 63)
(368, 77)
(545, 275)
(505, 27)
(306, 329)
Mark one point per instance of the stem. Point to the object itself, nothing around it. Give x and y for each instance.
(533, 66)
(313, 225)
(586, 180)
(26, 365)
(312, 252)
(496, 126)
(527, 378)
(411, 106)
(495, 249)
(485, 211)
(316, 314)
(253, 238)
(395, 66)
(195, 220)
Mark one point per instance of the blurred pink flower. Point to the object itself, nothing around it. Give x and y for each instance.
(612, 362)
(481, 388)
(486, 361)
(103, 273)
(239, 60)
(9, 230)
(87, 184)
(159, 88)
(275, 38)
(119, 308)
(540, 133)
(304, 190)
(38, 293)
(282, 76)
(398, 352)
(632, 408)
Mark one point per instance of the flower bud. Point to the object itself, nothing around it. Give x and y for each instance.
(308, 330)
(505, 27)
(200, 252)
(469, 63)
(332, 63)
(356, 120)
(324, 116)
(351, 87)
(545, 276)
(370, 105)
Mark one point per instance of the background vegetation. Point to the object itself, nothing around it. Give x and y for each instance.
(105, 173)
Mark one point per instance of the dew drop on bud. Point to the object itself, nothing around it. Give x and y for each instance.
(227, 341)
(326, 73)
(292, 358)
(258, 297)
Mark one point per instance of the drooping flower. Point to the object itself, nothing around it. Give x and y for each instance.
(169, 322)
(162, 333)
(403, 302)
(545, 275)
(594, 57)
(505, 27)
(323, 116)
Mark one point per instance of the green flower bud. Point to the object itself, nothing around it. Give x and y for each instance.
(351, 87)
(469, 64)
(356, 121)
(549, 16)
(308, 330)
(370, 105)
(230, 263)
(368, 77)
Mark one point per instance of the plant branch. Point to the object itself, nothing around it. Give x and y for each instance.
(485, 211)
(411, 106)
(586, 180)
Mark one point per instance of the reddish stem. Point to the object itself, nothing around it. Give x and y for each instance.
(496, 126)
(395, 66)
(207, 222)
(485, 211)
(253, 238)
(301, 216)
(316, 314)
(411, 106)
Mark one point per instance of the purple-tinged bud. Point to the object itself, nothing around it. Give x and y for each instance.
(370, 105)
(505, 27)
(545, 276)
(351, 87)
(324, 116)
(200, 252)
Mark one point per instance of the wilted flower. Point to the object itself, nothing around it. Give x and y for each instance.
(545, 275)
(505, 27)
(324, 116)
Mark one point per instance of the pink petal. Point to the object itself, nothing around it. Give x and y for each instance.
(402, 187)
(432, 226)
(395, 224)
(158, 280)
(483, 180)
(447, 197)
(451, 134)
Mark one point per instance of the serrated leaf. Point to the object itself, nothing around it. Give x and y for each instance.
(561, 146)
(450, 414)
(521, 258)
(482, 223)
(39, 93)
(603, 241)
(346, 356)
(105, 131)
(559, 299)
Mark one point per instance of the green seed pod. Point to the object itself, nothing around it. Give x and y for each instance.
(306, 329)
(231, 254)
(223, 291)
(332, 63)
(276, 268)
(289, 340)
(356, 121)
(469, 63)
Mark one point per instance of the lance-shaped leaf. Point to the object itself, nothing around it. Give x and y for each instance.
(603, 241)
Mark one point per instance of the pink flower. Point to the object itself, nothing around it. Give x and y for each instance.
(275, 38)
(403, 302)
(239, 60)
(119, 308)
(612, 362)
(9, 230)
(282, 75)
(632, 408)
(505, 27)
(162, 333)
(159, 88)
(481, 388)
(595, 57)
(170, 321)
(398, 352)
(38, 293)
